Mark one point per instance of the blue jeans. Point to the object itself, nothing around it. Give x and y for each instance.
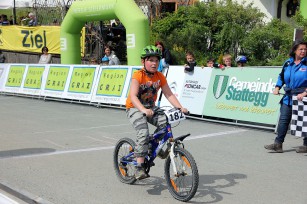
(283, 124)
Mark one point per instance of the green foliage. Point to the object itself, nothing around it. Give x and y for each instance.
(269, 44)
(213, 29)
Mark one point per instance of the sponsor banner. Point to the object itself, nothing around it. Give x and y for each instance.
(3, 72)
(14, 78)
(112, 85)
(243, 94)
(33, 80)
(175, 80)
(195, 89)
(56, 81)
(82, 80)
(33, 39)
(189, 87)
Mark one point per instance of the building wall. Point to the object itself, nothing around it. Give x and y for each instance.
(268, 7)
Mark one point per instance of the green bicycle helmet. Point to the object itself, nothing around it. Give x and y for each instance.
(151, 50)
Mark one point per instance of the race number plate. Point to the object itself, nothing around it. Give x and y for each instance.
(174, 115)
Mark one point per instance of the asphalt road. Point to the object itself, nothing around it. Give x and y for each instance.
(61, 153)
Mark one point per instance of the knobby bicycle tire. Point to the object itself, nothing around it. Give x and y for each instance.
(124, 172)
(183, 186)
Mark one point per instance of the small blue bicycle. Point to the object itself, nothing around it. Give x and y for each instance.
(180, 169)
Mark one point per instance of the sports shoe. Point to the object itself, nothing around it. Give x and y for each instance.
(274, 147)
(301, 149)
(140, 173)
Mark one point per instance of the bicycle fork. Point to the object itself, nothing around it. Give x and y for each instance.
(178, 168)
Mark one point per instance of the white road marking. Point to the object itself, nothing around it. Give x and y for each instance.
(6, 200)
(112, 147)
(56, 144)
(216, 134)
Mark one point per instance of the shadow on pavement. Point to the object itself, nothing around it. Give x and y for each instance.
(210, 186)
(24, 152)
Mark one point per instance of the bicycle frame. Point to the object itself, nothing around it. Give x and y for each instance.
(156, 145)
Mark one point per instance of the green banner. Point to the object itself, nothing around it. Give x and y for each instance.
(112, 81)
(34, 77)
(15, 76)
(243, 94)
(57, 78)
(82, 80)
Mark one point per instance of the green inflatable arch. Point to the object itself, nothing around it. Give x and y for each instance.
(303, 8)
(134, 20)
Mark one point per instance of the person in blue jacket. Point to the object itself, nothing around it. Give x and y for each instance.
(294, 77)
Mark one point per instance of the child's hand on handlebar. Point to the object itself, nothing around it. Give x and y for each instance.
(184, 110)
(148, 112)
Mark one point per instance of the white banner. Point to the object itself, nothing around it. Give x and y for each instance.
(189, 87)
(3, 74)
(195, 89)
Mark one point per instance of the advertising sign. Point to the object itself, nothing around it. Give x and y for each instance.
(33, 39)
(14, 78)
(33, 81)
(112, 85)
(57, 80)
(195, 89)
(81, 82)
(243, 94)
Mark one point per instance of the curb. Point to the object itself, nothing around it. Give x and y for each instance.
(22, 194)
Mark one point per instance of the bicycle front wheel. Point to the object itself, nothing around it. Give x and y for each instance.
(182, 184)
(123, 166)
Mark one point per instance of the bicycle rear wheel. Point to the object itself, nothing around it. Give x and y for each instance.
(184, 184)
(124, 171)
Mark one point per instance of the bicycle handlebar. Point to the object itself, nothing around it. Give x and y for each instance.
(156, 110)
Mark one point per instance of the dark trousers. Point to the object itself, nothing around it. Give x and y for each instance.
(283, 124)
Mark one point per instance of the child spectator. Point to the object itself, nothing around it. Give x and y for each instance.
(105, 61)
(210, 62)
(93, 61)
(227, 60)
(241, 61)
(190, 63)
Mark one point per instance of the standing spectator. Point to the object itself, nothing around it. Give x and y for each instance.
(33, 20)
(241, 61)
(5, 21)
(294, 76)
(166, 56)
(45, 57)
(2, 57)
(227, 60)
(11, 20)
(190, 62)
(113, 60)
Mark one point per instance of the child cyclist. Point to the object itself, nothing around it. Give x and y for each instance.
(145, 84)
